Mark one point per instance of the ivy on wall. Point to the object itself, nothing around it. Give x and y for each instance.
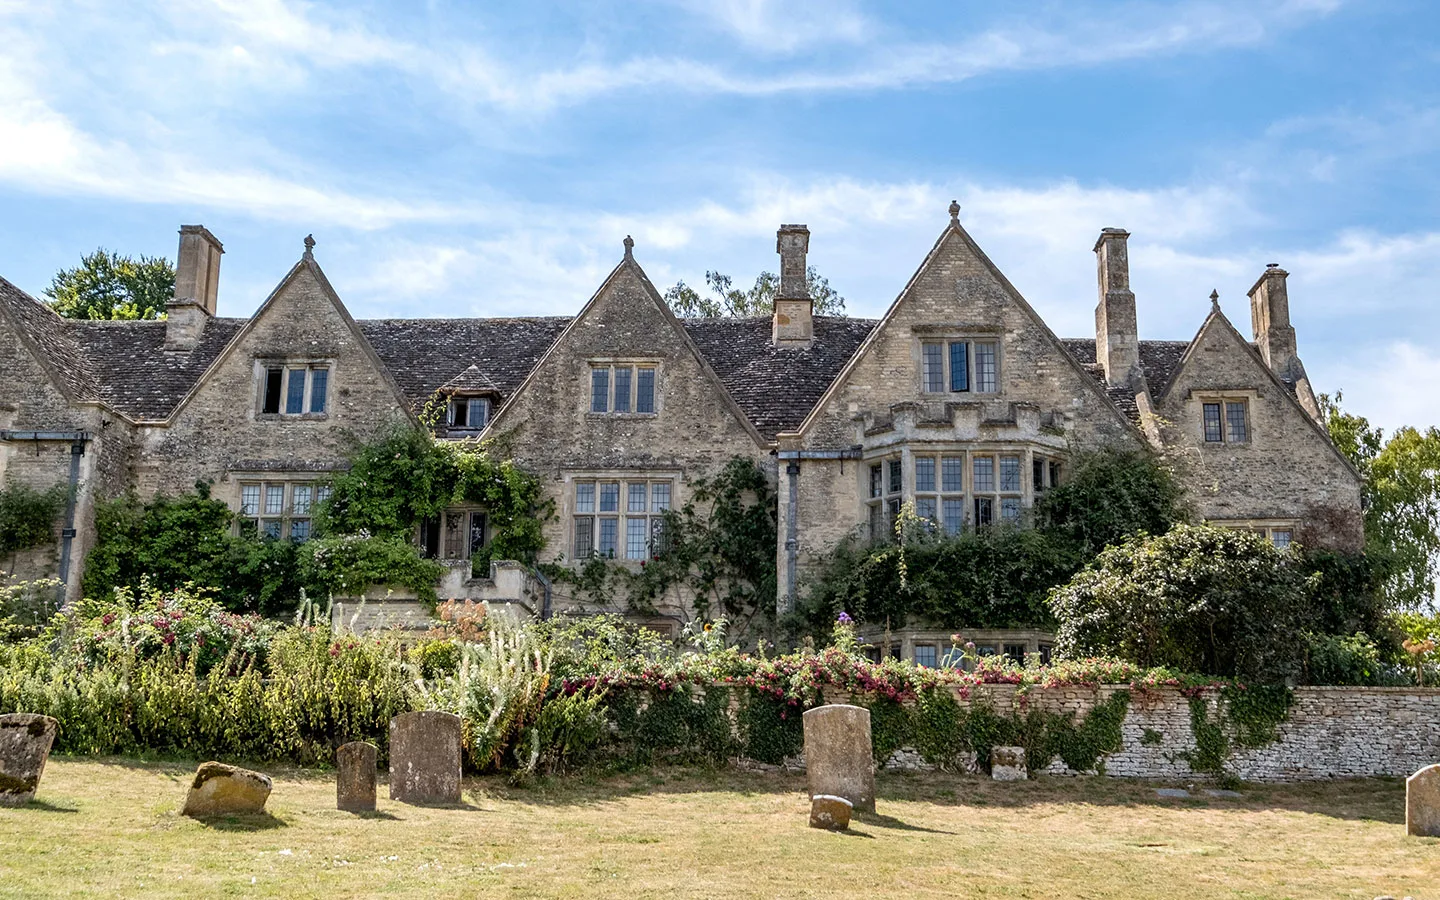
(28, 516)
(365, 531)
(718, 547)
(1244, 717)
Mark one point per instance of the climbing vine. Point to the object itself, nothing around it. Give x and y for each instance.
(27, 516)
(1244, 716)
(719, 548)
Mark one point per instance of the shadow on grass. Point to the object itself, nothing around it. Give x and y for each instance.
(40, 805)
(1356, 799)
(258, 822)
(884, 821)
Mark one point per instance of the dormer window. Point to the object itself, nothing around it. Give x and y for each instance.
(960, 367)
(295, 389)
(468, 413)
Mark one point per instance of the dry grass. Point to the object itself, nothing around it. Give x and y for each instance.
(112, 828)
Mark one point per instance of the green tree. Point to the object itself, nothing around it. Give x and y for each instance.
(1402, 502)
(725, 299)
(107, 285)
(1201, 599)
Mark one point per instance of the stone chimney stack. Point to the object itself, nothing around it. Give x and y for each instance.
(1117, 337)
(794, 321)
(1270, 317)
(197, 284)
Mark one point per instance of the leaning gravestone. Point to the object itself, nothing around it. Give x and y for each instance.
(355, 777)
(25, 740)
(425, 757)
(221, 790)
(839, 759)
(1422, 802)
(1007, 763)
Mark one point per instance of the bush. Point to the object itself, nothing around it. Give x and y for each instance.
(28, 516)
(1198, 599)
(349, 565)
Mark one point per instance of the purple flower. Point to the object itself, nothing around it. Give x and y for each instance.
(844, 619)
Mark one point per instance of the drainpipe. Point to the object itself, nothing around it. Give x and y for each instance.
(77, 440)
(792, 541)
(786, 602)
(67, 534)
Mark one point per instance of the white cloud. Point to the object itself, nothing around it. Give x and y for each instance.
(784, 26)
(1391, 384)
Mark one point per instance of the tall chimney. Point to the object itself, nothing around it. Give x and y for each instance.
(197, 284)
(1270, 317)
(794, 321)
(1117, 338)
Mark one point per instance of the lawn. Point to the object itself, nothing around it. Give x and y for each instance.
(108, 828)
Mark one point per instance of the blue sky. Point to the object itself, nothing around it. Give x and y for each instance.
(487, 159)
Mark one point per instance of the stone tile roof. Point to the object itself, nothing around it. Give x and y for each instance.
(52, 335)
(426, 354)
(138, 377)
(776, 387)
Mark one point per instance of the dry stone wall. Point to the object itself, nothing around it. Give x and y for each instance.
(1330, 732)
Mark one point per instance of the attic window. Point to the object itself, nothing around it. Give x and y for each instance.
(960, 367)
(471, 413)
(295, 389)
(622, 389)
(1225, 421)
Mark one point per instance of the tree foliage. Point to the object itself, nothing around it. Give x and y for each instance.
(726, 300)
(1197, 598)
(997, 577)
(1402, 502)
(107, 285)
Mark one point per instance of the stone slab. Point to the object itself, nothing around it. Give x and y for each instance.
(1224, 794)
(1172, 793)
(1422, 802)
(221, 790)
(839, 758)
(25, 741)
(425, 758)
(1008, 764)
(829, 813)
(355, 777)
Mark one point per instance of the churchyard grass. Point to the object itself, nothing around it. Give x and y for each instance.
(109, 828)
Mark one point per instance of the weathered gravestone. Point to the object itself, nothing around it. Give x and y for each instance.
(830, 813)
(25, 740)
(425, 757)
(221, 790)
(355, 777)
(839, 759)
(1007, 763)
(1422, 802)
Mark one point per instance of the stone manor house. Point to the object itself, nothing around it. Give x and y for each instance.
(959, 400)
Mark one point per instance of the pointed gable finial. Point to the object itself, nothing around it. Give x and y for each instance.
(309, 246)
(955, 211)
(1214, 299)
(629, 247)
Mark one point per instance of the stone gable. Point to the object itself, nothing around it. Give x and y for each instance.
(220, 428)
(1286, 469)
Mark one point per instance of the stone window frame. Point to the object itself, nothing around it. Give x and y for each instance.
(635, 366)
(1280, 532)
(884, 494)
(660, 496)
(1024, 495)
(286, 366)
(284, 521)
(1225, 401)
(945, 339)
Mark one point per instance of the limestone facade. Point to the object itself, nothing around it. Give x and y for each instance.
(959, 400)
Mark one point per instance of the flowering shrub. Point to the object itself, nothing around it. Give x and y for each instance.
(146, 620)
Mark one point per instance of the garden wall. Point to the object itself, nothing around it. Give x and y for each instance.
(1330, 732)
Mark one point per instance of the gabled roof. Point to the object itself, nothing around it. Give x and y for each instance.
(49, 339)
(776, 386)
(425, 354)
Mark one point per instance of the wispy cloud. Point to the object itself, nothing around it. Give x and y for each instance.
(785, 26)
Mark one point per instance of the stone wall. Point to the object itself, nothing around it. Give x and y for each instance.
(1330, 732)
